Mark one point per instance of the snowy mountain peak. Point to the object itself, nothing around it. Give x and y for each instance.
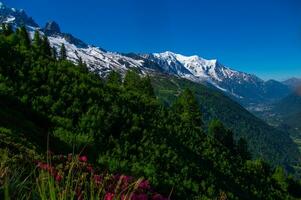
(16, 17)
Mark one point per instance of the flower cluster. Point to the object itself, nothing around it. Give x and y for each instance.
(51, 170)
(107, 187)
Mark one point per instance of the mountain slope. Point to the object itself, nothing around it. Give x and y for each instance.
(288, 110)
(265, 141)
(192, 68)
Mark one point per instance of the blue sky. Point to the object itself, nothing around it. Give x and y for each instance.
(256, 36)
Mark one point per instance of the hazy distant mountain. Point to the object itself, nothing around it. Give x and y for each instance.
(292, 82)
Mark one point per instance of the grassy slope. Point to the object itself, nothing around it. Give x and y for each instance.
(264, 140)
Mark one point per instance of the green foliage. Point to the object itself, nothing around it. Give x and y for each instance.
(37, 41)
(114, 79)
(214, 105)
(45, 46)
(24, 37)
(63, 53)
(125, 129)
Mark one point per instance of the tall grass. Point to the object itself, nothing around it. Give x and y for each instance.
(68, 178)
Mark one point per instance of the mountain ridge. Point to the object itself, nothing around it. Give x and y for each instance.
(247, 89)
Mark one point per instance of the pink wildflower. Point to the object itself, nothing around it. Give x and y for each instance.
(144, 185)
(58, 178)
(109, 196)
(83, 159)
(90, 169)
(97, 179)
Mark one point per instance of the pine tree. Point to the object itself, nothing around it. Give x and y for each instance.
(37, 42)
(242, 149)
(146, 86)
(63, 53)
(217, 130)
(132, 81)
(280, 177)
(24, 37)
(46, 49)
(53, 52)
(188, 108)
(114, 79)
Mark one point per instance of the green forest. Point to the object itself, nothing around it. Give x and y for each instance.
(124, 125)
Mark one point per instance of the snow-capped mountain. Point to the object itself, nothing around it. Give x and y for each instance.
(246, 88)
(97, 59)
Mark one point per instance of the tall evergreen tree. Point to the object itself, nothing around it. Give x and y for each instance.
(37, 41)
(63, 53)
(132, 80)
(53, 52)
(242, 149)
(147, 87)
(24, 37)
(114, 79)
(217, 130)
(188, 108)
(45, 46)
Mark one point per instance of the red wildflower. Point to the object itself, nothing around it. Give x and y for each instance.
(144, 185)
(58, 178)
(90, 169)
(109, 196)
(83, 159)
(97, 179)
(40, 164)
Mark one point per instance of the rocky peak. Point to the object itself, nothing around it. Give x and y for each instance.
(52, 27)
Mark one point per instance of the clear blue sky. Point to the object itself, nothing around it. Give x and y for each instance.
(255, 36)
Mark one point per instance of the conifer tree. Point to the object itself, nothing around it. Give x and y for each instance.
(114, 79)
(37, 42)
(63, 53)
(242, 149)
(146, 86)
(217, 130)
(188, 109)
(53, 52)
(280, 177)
(46, 49)
(24, 37)
(132, 80)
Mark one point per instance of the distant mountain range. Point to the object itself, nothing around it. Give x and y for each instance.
(246, 88)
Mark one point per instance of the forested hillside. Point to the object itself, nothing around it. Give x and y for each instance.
(123, 128)
(264, 140)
